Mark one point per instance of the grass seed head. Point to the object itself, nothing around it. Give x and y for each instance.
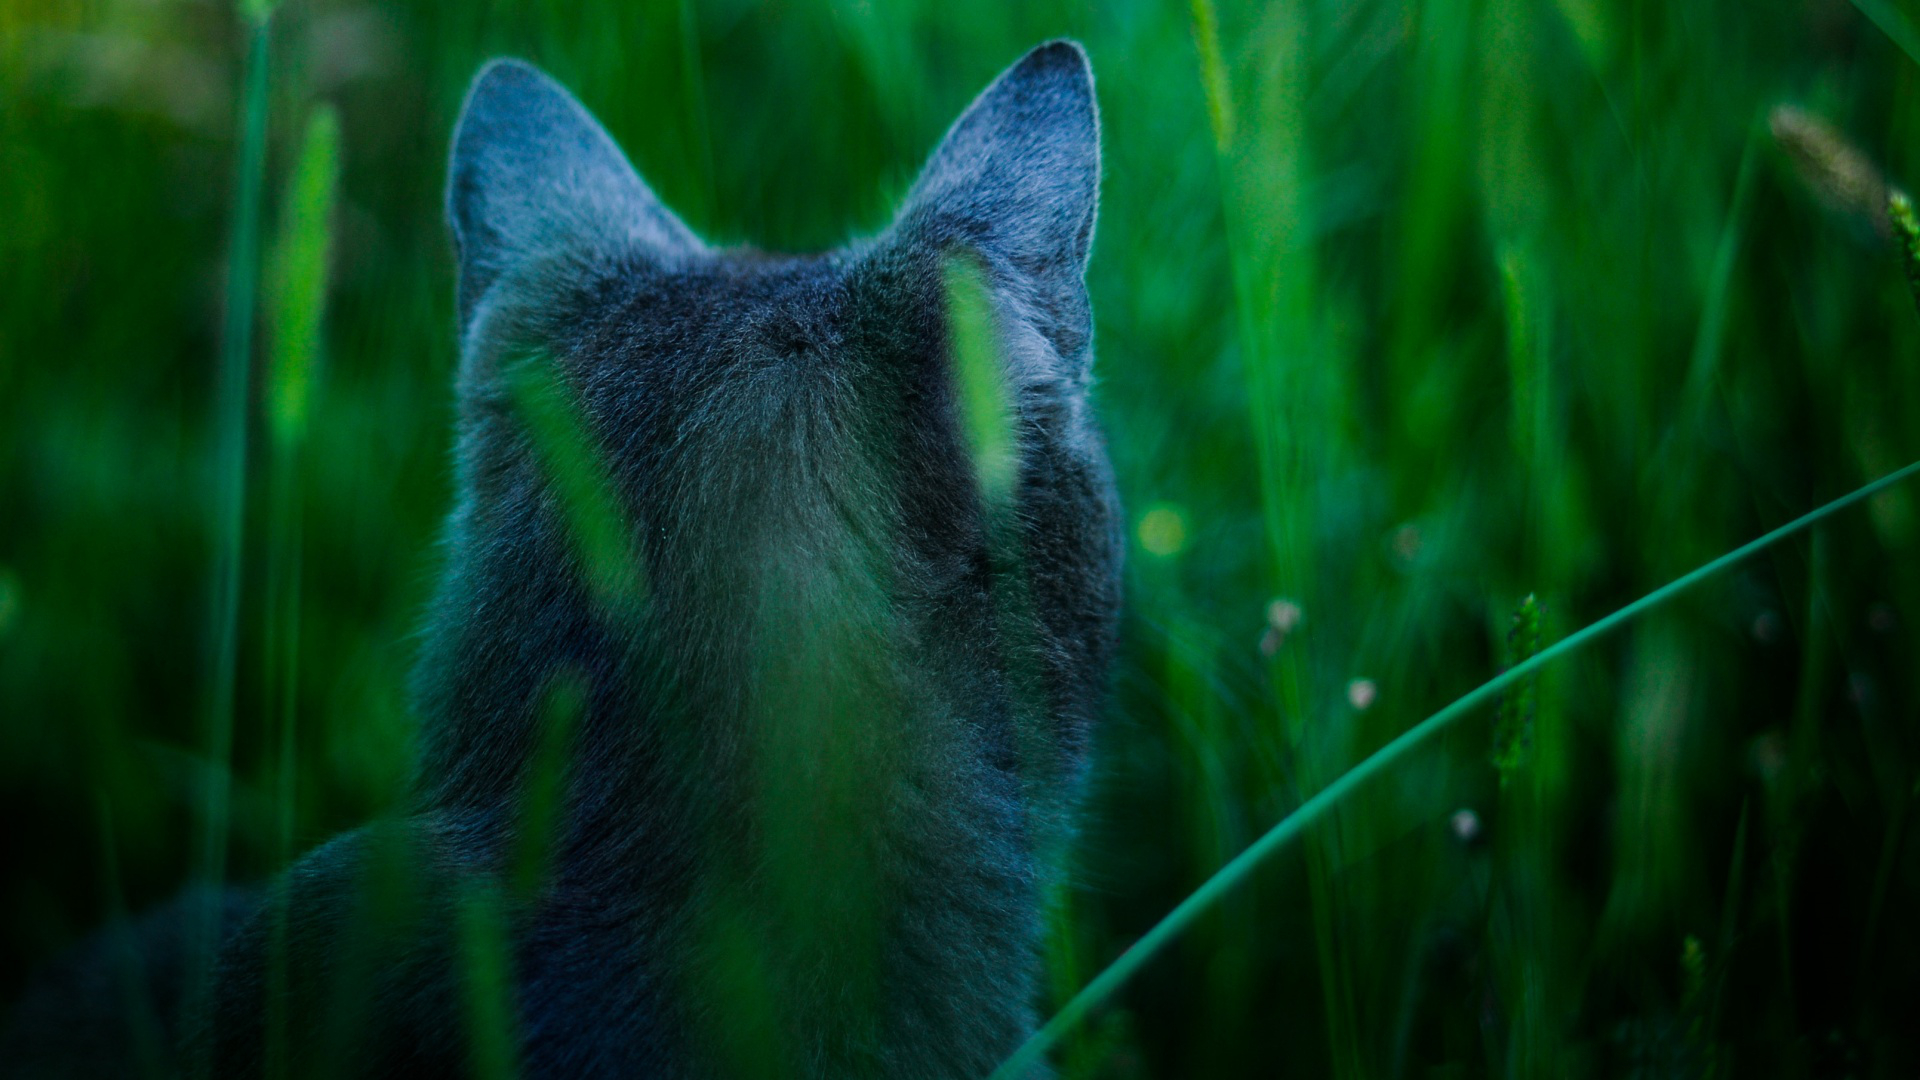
(1906, 235)
(1839, 173)
(1513, 723)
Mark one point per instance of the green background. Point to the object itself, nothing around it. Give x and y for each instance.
(1405, 309)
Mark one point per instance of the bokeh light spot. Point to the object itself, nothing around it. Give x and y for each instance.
(1163, 531)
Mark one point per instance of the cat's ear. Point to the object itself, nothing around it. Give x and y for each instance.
(534, 177)
(1018, 175)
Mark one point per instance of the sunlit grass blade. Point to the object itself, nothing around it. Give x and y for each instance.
(296, 306)
(298, 281)
(1128, 963)
(593, 512)
(986, 407)
(1213, 73)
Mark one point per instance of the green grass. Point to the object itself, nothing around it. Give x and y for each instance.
(1406, 310)
(1210, 892)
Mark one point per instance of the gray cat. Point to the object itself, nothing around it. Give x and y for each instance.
(753, 716)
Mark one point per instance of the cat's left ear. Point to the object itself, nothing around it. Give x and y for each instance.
(535, 182)
(1017, 178)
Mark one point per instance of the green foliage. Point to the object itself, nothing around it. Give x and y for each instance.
(1323, 802)
(1402, 309)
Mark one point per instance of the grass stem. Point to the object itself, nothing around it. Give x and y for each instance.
(230, 478)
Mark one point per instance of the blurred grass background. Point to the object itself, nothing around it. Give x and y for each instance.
(1406, 310)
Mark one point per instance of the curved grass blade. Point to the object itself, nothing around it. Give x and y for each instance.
(1128, 963)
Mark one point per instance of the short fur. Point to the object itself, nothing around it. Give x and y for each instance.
(825, 757)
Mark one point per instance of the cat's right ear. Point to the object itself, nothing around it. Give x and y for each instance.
(535, 182)
(1017, 181)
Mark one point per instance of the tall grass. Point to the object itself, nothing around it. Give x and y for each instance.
(1406, 311)
(230, 469)
(1103, 985)
(298, 304)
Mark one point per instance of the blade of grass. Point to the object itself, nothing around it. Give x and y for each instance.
(149, 1041)
(1710, 339)
(700, 130)
(544, 803)
(1261, 156)
(231, 478)
(296, 303)
(596, 521)
(1893, 24)
(986, 407)
(487, 985)
(298, 299)
(1227, 877)
(1213, 73)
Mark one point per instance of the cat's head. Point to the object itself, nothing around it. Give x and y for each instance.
(784, 436)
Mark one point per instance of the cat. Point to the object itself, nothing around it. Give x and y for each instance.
(753, 705)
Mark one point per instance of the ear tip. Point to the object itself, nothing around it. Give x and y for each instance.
(499, 80)
(1060, 52)
(1063, 59)
(496, 103)
(1059, 74)
(504, 67)
(506, 96)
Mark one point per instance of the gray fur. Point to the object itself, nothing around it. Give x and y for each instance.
(823, 770)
